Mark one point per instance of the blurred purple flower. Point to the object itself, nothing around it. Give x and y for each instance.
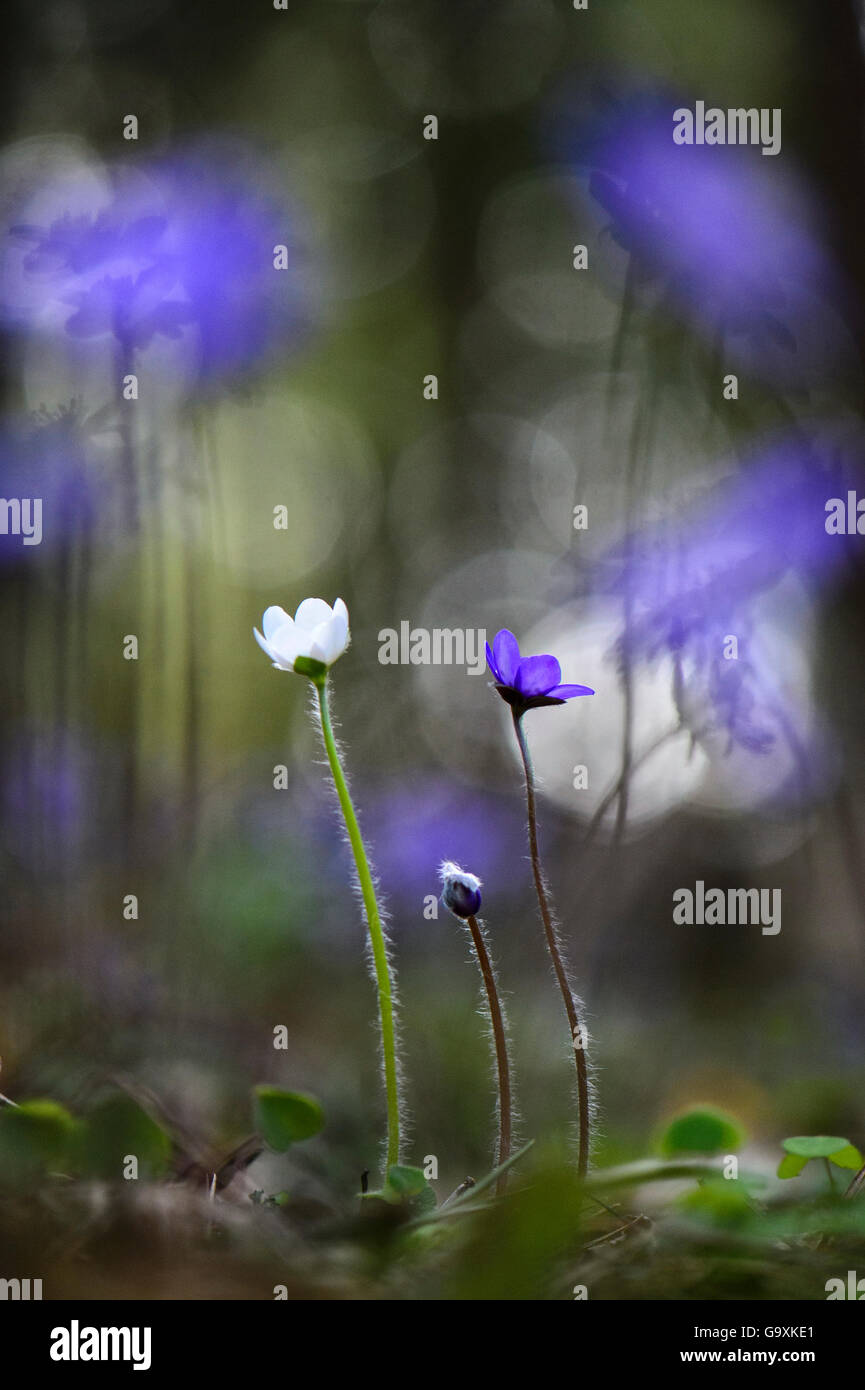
(739, 700)
(737, 541)
(48, 456)
(723, 228)
(80, 244)
(186, 250)
(49, 791)
(528, 682)
(687, 586)
(412, 830)
(223, 222)
(133, 308)
(113, 272)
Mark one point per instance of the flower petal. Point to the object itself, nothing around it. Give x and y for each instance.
(312, 612)
(491, 662)
(538, 674)
(568, 692)
(506, 651)
(286, 644)
(338, 640)
(274, 617)
(279, 660)
(327, 639)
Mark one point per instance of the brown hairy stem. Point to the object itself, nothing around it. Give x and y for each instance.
(555, 953)
(501, 1045)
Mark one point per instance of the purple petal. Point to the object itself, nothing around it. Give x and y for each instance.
(506, 652)
(538, 674)
(492, 665)
(567, 692)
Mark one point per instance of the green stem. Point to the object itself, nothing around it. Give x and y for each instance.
(376, 930)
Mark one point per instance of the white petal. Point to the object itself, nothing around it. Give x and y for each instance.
(336, 639)
(340, 625)
(274, 617)
(286, 644)
(317, 651)
(268, 651)
(312, 612)
(324, 640)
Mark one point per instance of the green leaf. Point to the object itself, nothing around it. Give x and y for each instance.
(468, 1202)
(405, 1181)
(118, 1127)
(409, 1185)
(815, 1146)
(37, 1134)
(283, 1118)
(644, 1170)
(702, 1130)
(723, 1201)
(791, 1165)
(473, 1192)
(848, 1157)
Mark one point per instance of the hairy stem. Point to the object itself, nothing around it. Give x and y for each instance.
(577, 1036)
(374, 923)
(501, 1047)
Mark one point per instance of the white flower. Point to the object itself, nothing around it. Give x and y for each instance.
(316, 631)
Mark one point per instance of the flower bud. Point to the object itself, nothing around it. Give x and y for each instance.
(461, 892)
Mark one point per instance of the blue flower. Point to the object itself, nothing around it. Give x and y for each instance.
(530, 681)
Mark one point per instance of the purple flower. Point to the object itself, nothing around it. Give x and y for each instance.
(699, 575)
(112, 271)
(725, 238)
(183, 252)
(529, 681)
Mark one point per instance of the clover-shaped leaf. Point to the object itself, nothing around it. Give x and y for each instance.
(801, 1148)
(38, 1134)
(408, 1185)
(702, 1130)
(726, 1202)
(283, 1118)
(118, 1127)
